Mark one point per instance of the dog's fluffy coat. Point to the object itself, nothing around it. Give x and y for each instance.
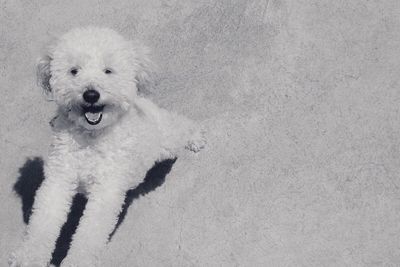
(103, 160)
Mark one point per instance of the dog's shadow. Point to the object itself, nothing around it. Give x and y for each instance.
(31, 176)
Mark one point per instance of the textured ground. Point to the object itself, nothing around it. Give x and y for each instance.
(301, 103)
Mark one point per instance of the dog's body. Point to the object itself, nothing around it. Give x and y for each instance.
(106, 138)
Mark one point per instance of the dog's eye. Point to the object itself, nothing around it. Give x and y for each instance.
(108, 71)
(74, 71)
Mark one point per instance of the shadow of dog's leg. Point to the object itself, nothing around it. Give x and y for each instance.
(155, 177)
(28, 182)
(68, 229)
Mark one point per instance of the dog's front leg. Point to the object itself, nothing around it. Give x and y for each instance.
(178, 131)
(98, 221)
(182, 132)
(51, 206)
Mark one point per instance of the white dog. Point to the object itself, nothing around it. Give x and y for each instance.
(106, 137)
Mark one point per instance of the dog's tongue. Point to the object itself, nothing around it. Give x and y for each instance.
(93, 118)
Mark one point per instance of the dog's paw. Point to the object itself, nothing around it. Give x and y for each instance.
(68, 263)
(83, 261)
(13, 260)
(197, 142)
(73, 262)
(16, 260)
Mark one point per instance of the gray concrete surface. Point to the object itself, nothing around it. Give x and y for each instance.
(301, 102)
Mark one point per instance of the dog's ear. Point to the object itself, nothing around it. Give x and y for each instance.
(43, 75)
(146, 69)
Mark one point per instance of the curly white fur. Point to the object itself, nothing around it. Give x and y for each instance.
(103, 160)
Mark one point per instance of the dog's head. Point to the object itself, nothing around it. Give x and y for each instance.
(94, 75)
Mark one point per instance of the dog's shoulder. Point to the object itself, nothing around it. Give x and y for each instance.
(145, 107)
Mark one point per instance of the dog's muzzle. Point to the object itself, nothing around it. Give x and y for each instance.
(93, 114)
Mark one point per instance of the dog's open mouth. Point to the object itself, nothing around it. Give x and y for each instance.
(93, 114)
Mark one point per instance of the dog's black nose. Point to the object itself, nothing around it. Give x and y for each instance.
(91, 96)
